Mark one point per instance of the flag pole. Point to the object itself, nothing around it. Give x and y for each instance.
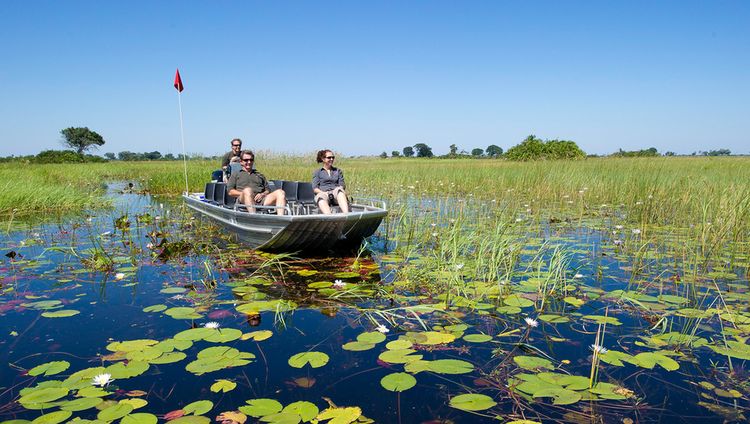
(179, 87)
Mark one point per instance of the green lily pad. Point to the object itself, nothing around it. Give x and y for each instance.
(139, 418)
(53, 417)
(398, 382)
(50, 368)
(450, 366)
(195, 334)
(80, 404)
(477, 338)
(168, 358)
(601, 319)
(649, 359)
(553, 319)
(340, 415)
(373, 337)
(62, 313)
(472, 402)
(399, 356)
(183, 312)
(533, 362)
(173, 290)
(114, 412)
(517, 301)
(357, 346)
(191, 419)
(260, 407)
(258, 336)
(306, 410)
(315, 359)
(155, 308)
(399, 344)
(198, 408)
(223, 386)
(130, 345)
(560, 395)
(43, 395)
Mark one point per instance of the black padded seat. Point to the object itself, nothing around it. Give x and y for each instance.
(305, 193)
(208, 194)
(219, 191)
(229, 201)
(290, 189)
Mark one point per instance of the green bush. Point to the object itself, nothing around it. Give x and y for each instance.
(65, 156)
(536, 149)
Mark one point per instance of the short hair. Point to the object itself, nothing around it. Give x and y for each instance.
(322, 155)
(236, 139)
(247, 152)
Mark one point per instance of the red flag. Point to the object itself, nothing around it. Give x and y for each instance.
(178, 81)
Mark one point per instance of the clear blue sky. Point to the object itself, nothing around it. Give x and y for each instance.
(365, 77)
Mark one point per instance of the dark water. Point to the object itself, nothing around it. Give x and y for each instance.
(163, 247)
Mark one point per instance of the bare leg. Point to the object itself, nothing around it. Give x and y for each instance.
(343, 201)
(247, 199)
(277, 197)
(324, 206)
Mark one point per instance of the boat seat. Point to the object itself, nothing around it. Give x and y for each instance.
(219, 192)
(229, 201)
(290, 189)
(208, 194)
(306, 198)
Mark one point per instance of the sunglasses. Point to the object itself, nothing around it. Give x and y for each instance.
(330, 157)
(236, 145)
(246, 160)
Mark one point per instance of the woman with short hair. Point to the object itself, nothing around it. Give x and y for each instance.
(328, 184)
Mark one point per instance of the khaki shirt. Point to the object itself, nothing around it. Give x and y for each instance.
(255, 180)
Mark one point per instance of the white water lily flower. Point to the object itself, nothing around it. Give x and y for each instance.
(618, 227)
(119, 276)
(618, 242)
(636, 231)
(102, 380)
(459, 266)
(339, 284)
(599, 350)
(149, 246)
(531, 322)
(578, 276)
(382, 328)
(212, 324)
(434, 234)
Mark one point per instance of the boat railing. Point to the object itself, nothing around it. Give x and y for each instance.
(370, 201)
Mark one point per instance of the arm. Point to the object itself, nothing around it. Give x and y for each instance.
(316, 183)
(341, 183)
(232, 186)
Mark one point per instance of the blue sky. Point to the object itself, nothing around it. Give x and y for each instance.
(366, 77)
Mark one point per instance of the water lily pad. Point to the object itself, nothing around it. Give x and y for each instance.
(92, 392)
(399, 356)
(80, 404)
(601, 319)
(450, 366)
(574, 301)
(477, 338)
(532, 362)
(155, 308)
(136, 403)
(398, 382)
(320, 285)
(616, 358)
(50, 368)
(198, 408)
(399, 344)
(114, 412)
(139, 418)
(173, 290)
(357, 346)
(649, 359)
(306, 410)
(62, 313)
(517, 301)
(472, 402)
(121, 370)
(43, 395)
(340, 415)
(191, 419)
(560, 395)
(430, 337)
(258, 336)
(130, 345)
(195, 334)
(53, 417)
(554, 319)
(260, 407)
(168, 358)
(281, 418)
(223, 335)
(315, 359)
(183, 312)
(223, 386)
(373, 337)
(346, 274)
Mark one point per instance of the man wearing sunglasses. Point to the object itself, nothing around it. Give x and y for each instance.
(250, 187)
(218, 175)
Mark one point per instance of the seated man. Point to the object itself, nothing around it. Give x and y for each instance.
(218, 175)
(251, 187)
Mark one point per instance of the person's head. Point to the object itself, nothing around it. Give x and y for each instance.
(247, 157)
(235, 159)
(236, 145)
(325, 156)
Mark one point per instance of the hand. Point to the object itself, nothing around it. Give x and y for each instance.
(259, 197)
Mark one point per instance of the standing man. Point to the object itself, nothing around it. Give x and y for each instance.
(251, 187)
(218, 175)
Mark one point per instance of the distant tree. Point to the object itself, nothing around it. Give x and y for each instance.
(423, 150)
(408, 151)
(81, 138)
(533, 148)
(155, 155)
(669, 154)
(477, 152)
(395, 154)
(169, 156)
(384, 155)
(454, 149)
(720, 152)
(126, 155)
(494, 151)
(110, 156)
(650, 152)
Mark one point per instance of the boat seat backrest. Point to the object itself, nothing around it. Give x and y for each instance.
(290, 189)
(208, 194)
(229, 201)
(219, 191)
(305, 193)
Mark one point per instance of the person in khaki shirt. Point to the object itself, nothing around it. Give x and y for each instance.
(250, 187)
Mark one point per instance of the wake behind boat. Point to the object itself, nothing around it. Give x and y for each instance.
(302, 228)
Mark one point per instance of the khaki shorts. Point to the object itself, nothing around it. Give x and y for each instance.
(329, 196)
